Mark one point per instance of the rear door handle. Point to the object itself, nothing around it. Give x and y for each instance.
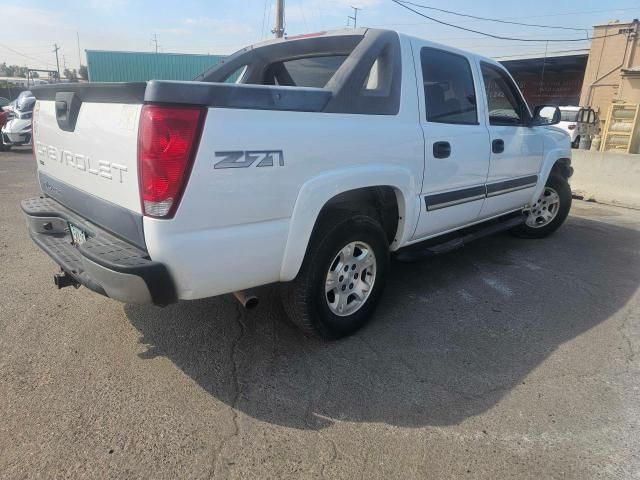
(497, 146)
(442, 150)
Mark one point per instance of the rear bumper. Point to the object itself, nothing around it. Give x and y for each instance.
(104, 263)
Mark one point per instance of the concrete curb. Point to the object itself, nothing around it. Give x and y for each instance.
(610, 178)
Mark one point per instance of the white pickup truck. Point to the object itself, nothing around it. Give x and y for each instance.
(306, 161)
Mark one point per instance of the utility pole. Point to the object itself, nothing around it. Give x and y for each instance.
(155, 40)
(55, 49)
(79, 55)
(279, 30)
(354, 17)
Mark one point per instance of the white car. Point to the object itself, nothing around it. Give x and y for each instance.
(306, 161)
(569, 123)
(17, 130)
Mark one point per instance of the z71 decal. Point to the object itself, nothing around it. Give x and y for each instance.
(240, 159)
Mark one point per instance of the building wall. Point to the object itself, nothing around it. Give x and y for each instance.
(630, 87)
(607, 58)
(551, 80)
(107, 66)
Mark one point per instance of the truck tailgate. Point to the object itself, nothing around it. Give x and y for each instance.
(88, 141)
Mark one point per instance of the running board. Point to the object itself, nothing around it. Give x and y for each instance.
(418, 252)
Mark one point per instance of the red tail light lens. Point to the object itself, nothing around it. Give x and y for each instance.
(167, 144)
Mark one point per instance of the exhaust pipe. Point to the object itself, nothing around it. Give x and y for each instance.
(247, 300)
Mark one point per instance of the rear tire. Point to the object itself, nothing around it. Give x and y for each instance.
(342, 277)
(549, 212)
(4, 148)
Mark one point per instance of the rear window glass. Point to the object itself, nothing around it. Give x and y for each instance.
(568, 116)
(304, 72)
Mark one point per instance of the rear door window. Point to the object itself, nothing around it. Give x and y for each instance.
(449, 91)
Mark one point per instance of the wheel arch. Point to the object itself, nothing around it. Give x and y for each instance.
(557, 160)
(380, 189)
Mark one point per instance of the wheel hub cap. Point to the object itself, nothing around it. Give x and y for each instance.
(544, 210)
(350, 279)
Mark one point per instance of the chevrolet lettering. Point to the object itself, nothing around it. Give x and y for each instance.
(66, 158)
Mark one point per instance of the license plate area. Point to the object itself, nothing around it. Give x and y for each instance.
(78, 236)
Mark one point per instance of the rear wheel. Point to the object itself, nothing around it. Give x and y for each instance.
(549, 211)
(4, 148)
(342, 276)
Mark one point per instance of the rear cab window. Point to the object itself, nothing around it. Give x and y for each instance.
(304, 72)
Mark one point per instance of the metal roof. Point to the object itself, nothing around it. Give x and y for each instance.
(111, 66)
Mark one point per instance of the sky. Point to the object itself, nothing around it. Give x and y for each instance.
(30, 28)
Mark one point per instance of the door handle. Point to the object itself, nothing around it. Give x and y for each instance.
(497, 146)
(442, 150)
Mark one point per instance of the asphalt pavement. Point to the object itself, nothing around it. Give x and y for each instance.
(509, 358)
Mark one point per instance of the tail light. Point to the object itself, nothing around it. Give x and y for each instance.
(167, 144)
(571, 127)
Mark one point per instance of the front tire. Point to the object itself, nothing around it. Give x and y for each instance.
(342, 277)
(550, 210)
(576, 142)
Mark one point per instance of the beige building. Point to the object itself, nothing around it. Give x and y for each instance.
(613, 69)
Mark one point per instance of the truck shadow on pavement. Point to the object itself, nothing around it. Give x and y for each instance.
(452, 336)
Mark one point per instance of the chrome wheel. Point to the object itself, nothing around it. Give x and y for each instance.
(545, 210)
(350, 279)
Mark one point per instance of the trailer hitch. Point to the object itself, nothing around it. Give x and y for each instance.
(63, 280)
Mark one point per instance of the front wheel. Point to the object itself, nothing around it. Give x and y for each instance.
(342, 276)
(576, 142)
(549, 211)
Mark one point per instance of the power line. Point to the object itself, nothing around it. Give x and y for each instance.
(497, 20)
(542, 53)
(21, 54)
(499, 37)
(304, 16)
(267, 4)
(583, 12)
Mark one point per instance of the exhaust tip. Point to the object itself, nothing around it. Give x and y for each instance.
(247, 301)
(251, 303)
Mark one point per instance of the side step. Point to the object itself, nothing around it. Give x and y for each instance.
(432, 247)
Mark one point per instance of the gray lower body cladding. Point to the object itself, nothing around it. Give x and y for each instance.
(124, 223)
(103, 263)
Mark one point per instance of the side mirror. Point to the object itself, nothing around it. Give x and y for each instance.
(544, 115)
(587, 116)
